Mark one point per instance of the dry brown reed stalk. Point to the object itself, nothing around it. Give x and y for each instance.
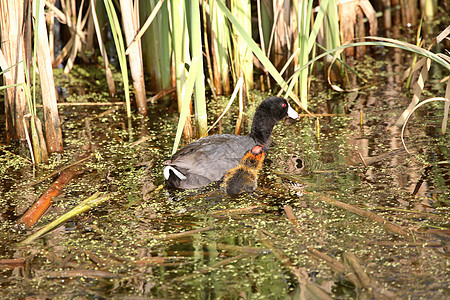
(212, 267)
(367, 214)
(158, 260)
(88, 104)
(235, 211)
(387, 15)
(409, 13)
(35, 212)
(50, 20)
(321, 115)
(362, 159)
(363, 213)
(370, 286)
(262, 41)
(359, 279)
(43, 147)
(85, 273)
(292, 218)
(109, 77)
(144, 27)
(335, 265)
(245, 249)
(220, 49)
(300, 273)
(78, 37)
(417, 89)
(130, 23)
(181, 234)
(11, 263)
(354, 272)
(207, 52)
(374, 159)
(162, 94)
(52, 122)
(351, 17)
(405, 244)
(12, 52)
(59, 171)
(16, 155)
(282, 28)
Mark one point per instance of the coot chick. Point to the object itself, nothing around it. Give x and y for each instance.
(208, 159)
(243, 178)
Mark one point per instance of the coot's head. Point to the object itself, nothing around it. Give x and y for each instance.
(268, 113)
(278, 108)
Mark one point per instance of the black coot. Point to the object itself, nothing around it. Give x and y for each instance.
(244, 177)
(208, 159)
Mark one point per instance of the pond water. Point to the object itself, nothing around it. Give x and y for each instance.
(320, 224)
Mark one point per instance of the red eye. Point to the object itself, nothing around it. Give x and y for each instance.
(283, 105)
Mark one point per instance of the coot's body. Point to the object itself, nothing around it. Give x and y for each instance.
(208, 159)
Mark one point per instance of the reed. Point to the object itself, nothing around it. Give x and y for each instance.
(257, 51)
(130, 23)
(186, 95)
(41, 51)
(196, 48)
(243, 56)
(220, 48)
(293, 35)
(303, 14)
(103, 53)
(120, 48)
(12, 57)
(180, 45)
(179, 37)
(157, 44)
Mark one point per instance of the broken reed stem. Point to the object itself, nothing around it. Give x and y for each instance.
(16, 155)
(243, 210)
(158, 96)
(212, 267)
(85, 273)
(84, 206)
(370, 286)
(334, 264)
(322, 115)
(367, 214)
(52, 121)
(35, 212)
(108, 72)
(363, 213)
(357, 269)
(244, 249)
(59, 171)
(87, 103)
(130, 21)
(291, 217)
(354, 272)
(300, 273)
(12, 263)
(162, 94)
(182, 234)
(362, 159)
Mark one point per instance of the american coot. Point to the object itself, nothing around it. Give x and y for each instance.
(243, 178)
(208, 159)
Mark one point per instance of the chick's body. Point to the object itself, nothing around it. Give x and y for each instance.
(243, 178)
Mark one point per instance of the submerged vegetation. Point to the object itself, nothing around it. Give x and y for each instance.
(352, 201)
